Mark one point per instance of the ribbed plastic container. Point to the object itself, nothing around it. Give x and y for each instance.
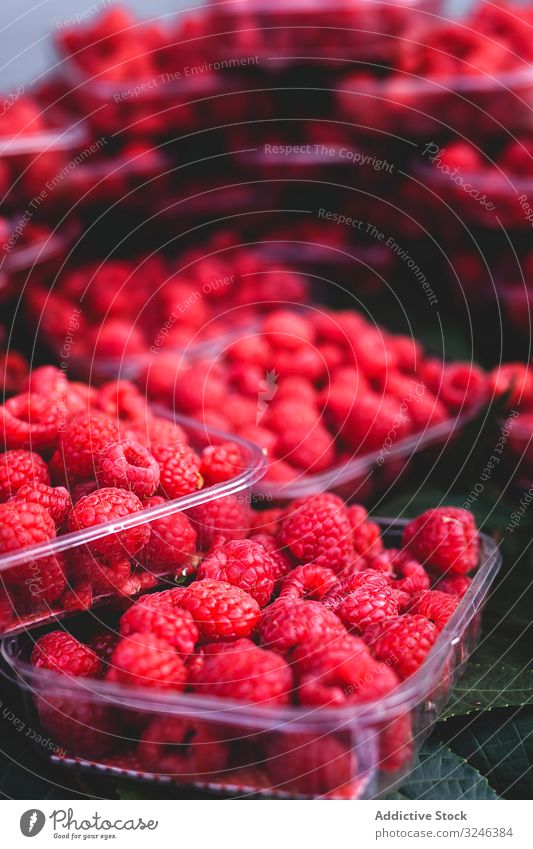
(71, 544)
(474, 106)
(351, 752)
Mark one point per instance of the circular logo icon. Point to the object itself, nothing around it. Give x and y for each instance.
(32, 822)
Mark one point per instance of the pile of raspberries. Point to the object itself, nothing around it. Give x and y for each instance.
(316, 388)
(311, 609)
(149, 303)
(76, 456)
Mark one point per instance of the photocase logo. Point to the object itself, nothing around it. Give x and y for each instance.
(32, 822)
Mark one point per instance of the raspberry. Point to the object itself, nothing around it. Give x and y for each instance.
(121, 400)
(454, 585)
(179, 469)
(183, 748)
(373, 421)
(262, 436)
(346, 677)
(103, 577)
(54, 499)
(83, 728)
(436, 606)
(311, 582)
(362, 599)
(444, 539)
(309, 765)
(287, 330)
(243, 564)
(463, 385)
(39, 582)
(402, 641)
(82, 489)
(129, 465)
(281, 560)
(170, 624)
(396, 743)
(85, 436)
(23, 525)
(310, 450)
(103, 645)
(229, 516)
(221, 462)
(79, 597)
(248, 674)
(144, 660)
(267, 522)
(161, 432)
(515, 379)
(318, 530)
(220, 610)
(317, 655)
(286, 624)
(366, 535)
(29, 421)
(171, 546)
(104, 505)
(405, 573)
(63, 653)
(18, 468)
(6, 610)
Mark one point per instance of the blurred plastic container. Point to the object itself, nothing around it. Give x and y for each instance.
(474, 106)
(71, 545)
(31, 252)
(341, 745)
(303, 32)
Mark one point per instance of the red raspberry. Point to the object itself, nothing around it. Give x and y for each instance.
(170, 624)
(23, 525)
(283, 563)
(396, 743)
(262, 436)
(38, 582)
(346, 677)
(229, 516)
(79, 597)
(267, 522)
(183, 748)
(29, 421)
(366, 535)
(310, 582)
(436, 606)
(103, 645)
(515, 379)
(102, 576)
(82, 728)
(287, 330)
(144, 660)
(179, 469)
(286, 624)
(281, 417)
(374, 421)
(82, 489)
(122, 401)
(161, 432)
(248, 674)
(54, 499)
(463, 385)
(444, 539)
(171, 546)
(309, 765)
(243, 564)
(63, 653)
(81, 443)
(454, 585)
(310, 450)
(405, 573)
(317, 655)
(362, 599)
(6, 610)
(221, 462)
(128, 465)
(402, 641)
(318, 530)
(105, 505)
(220, 610)
(18, 468)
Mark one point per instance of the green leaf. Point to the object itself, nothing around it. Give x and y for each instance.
(442, 774)
(489, 681)
(499, 745)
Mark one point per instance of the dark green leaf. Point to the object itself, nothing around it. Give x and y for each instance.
(442, 774)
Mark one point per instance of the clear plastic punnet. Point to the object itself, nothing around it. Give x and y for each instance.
(35, 563)
(356, 751)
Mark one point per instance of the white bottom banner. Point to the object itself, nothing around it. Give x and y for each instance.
(254, 826)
